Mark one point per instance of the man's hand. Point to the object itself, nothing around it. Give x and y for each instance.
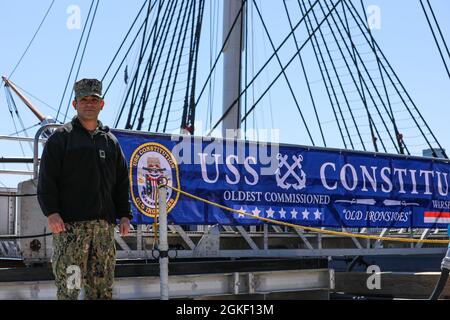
(55, 223)
(124, 227)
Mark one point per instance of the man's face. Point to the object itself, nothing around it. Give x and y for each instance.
(88, 107)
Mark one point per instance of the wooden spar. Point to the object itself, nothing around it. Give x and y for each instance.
(33, 109)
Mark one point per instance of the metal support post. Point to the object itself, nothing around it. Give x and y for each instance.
(163, 244)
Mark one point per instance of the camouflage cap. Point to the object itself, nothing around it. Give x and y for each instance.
(88, 87)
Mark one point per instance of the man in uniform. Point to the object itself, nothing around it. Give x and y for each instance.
(83, 189)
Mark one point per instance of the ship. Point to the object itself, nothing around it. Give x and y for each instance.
(337, 95)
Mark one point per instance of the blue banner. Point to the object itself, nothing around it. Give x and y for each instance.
(306, 186)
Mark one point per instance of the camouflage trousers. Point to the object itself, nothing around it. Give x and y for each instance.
(84, 256)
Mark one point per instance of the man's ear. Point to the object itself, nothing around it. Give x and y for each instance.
(102, 104)
(74, 104)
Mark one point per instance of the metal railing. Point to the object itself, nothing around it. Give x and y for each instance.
(35, 159)
(36, 146)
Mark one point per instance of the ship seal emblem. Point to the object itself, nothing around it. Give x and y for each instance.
(149, 163)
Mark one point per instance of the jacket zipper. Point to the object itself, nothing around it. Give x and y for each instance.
(100, 174)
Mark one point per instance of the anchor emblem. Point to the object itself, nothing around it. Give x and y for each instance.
(291, 172)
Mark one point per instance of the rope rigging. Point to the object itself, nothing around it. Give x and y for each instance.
(32, 39)
(291, 90)
(368, 89)
(154, 61)
(165, 68)
(290, 60)
(125, 56)
(441, 53)
(305, 75)
(166, 64)
(354, 82)
(320, 34)
(208, 78)
(82, 56)
(397, 133)
(172, 64)
(74, 61)
(258, 74)
(213, 24)
(33, 96)
(376, 48)
(358, 78)
(245, 70)
(12, 107)
(176, 76)
(361, 95)
(327, 81)
(126, 37)
(365, 93)
(132, 87)
(189, 116)
(155, 66)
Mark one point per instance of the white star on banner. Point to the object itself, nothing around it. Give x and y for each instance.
(317, 214)
(282, 213)
(241, 210)
(305, 214)
(270, 213)
(256, 212)
(294, 214)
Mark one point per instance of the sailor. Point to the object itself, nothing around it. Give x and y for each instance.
(83, 189)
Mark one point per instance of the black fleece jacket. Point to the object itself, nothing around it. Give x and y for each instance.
(82, 176)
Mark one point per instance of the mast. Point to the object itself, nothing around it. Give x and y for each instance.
(232, 65)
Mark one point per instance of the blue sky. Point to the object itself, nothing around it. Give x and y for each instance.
(404, 37)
